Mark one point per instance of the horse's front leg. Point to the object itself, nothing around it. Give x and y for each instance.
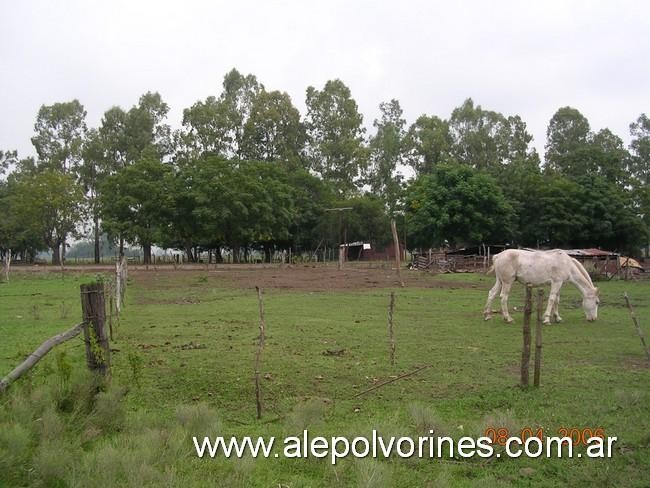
(553, 297)
(556, 309)
(505, 291)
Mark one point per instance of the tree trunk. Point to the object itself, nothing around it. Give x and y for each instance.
(146, 249)
(97, 251)
(267, 253)
(218, 257)
(190, 254)
(121, 246)
(235, 253)
(56, 256)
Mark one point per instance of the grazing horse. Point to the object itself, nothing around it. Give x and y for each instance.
(539, 268)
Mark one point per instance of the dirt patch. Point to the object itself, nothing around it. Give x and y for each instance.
(313, 277)
(636, 363)
(309, 278)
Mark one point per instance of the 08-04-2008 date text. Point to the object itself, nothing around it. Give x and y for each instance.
(579, 436)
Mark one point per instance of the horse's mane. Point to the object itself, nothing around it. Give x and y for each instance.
(582, 271)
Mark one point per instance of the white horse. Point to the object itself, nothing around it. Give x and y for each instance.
(539, 268)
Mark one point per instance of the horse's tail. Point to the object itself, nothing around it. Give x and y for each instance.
(491, 270)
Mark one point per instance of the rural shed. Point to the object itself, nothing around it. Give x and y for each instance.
(355, 251)
(597, 261)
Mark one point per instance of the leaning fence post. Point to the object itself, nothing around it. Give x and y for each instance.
(94, 315)
(538, 338)
(525, 353)
(638, 327)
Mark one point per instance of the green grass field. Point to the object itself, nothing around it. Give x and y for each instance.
(183, 365)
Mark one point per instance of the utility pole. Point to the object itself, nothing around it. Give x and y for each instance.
(342, 250)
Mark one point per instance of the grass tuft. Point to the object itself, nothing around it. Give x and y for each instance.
(306, 414)
(372, 474)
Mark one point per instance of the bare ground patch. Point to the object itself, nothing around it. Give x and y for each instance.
(308, 278)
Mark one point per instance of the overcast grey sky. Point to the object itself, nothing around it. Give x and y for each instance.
(515, 57)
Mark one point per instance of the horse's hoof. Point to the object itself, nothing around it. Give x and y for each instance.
(487, 317)
(546, 322)
(509, 320)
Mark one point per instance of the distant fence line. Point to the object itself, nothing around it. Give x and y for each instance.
(329, 254)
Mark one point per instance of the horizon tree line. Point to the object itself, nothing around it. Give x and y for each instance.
(246, 171)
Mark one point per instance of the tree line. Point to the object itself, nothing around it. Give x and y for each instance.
(247, 171)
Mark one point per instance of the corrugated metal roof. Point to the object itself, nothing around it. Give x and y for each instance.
(590, 252)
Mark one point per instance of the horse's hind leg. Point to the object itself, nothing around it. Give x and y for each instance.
(487, 313)
(505, 291)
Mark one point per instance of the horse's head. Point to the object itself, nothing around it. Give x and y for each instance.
(590, 303)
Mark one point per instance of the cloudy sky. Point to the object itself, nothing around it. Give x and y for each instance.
(526, 58)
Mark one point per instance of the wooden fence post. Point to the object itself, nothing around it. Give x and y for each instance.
(391, 334)
(393, 228)
(258, 355)
(118, 285)
(6, 263)
(98, 354)
(525, 353)
(538, 338)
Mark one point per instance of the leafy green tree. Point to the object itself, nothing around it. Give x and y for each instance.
(640, 146)
(640, 167)
(567, 134)
(237, 98)
(47, 204)
(386, 154)
(335, 136)
(122, 139)
(589, 211)
(60, 130)
(522, 183)
(488, 140)
(136, 203)
(559, 217)
(479, 136)
(608, 157)
(311, 196)
(114, 140)
(205, 130)
(96, 166)
(573, 150)
(231, 203)
(368, 220)
(518, 145)
(7, 159)
(273, 131)
(458, 205)
(218, 125)
(145, 129)
(427, 143)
